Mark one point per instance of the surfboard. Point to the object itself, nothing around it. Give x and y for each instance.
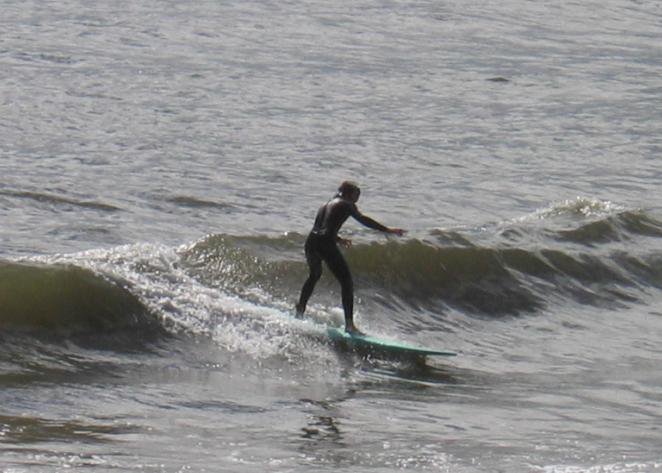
(367, 344)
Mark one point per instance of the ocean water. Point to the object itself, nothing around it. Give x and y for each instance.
(162, 162)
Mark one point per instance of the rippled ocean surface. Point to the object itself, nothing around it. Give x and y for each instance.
(161, 164)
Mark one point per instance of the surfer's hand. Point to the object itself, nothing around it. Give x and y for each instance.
(345, 243)
(397, 231)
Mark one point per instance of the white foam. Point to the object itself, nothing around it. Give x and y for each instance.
(581, 206)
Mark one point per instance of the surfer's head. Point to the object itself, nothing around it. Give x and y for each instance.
(349, 190)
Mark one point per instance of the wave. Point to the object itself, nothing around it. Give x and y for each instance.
(196, 203)
(66, 298)
(59, 201)
(240, 290)
(624, 226)
(521, 269)
(589, 222)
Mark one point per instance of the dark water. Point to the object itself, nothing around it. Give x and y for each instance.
(161, 164)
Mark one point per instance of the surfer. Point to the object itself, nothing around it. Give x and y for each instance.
(322, 245)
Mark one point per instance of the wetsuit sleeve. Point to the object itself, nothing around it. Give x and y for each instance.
(367, 221)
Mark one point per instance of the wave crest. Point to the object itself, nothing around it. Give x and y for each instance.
(65, 298)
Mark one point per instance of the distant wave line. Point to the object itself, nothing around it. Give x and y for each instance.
(59, 200)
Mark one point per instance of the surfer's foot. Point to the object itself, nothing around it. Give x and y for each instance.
(299, 311)
(351, 329)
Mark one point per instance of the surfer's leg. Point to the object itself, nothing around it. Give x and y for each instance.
(340, 270)
(315, 266)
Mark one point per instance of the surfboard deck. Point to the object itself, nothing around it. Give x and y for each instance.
(380, 347)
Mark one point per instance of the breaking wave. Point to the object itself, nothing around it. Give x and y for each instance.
(519, 268)
(66, 298)
(239, 290)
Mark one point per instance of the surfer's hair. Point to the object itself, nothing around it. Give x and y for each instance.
(348, 187)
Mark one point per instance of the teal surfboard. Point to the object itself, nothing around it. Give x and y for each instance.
(366, 344)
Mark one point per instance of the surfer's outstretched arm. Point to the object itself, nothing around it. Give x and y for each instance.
(374, 224)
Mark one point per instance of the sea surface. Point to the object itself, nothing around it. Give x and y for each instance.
(161, 164)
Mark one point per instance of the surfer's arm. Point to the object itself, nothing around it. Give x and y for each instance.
(374, 224)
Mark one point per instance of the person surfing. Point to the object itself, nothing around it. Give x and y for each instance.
(322, 245)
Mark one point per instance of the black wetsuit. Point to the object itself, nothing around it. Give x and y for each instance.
(321, 245)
